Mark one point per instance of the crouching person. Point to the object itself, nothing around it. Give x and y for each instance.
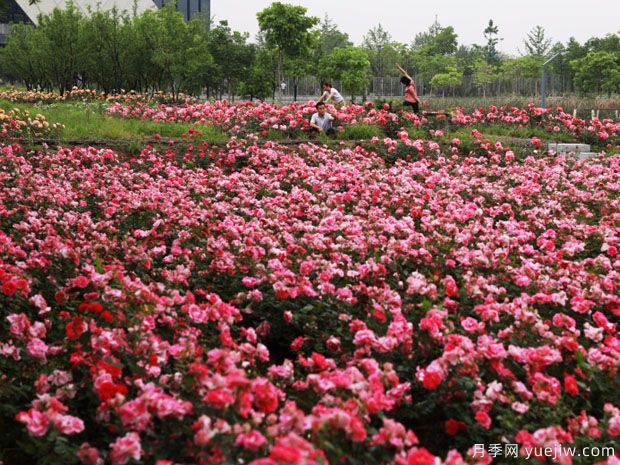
(322, 121)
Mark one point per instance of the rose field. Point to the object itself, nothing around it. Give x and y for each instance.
(231, 292)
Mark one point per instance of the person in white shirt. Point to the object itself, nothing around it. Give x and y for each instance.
(331, 94)
(321, 121)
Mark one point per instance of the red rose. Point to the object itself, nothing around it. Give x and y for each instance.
(75, 328)
(59, 297)
(9, 288)
(420, 456)
(570, 384)
(220, 398)
(431, 380)
(451, 287)
(484, 419)
(80, 281)
(265, 396)
(453, 427)
(319, 361)
(108, 390)
(285, 454)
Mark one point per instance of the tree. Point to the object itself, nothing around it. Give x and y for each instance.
(609, 43)
(491, 34)
(59, 35)
(597, 72)
(382, 51)
(434, 53)
(427, 66)
(351, 66)
(536, 43)
(484, 74)
(328, 38)
(165, 34)
(286, 30)
(19, 59)
(449, 79)
(260, 82)
(437, 40)
(468, 59)
(104, 50)
(445, 42)
(528, 67)
(233, 55)
(423, 38)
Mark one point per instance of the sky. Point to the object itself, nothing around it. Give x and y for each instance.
(561, 19)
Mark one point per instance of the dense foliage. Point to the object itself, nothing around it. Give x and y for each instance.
(113, 52)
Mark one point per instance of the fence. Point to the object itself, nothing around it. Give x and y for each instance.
(391, 87)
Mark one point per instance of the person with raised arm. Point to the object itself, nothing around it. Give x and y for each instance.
(411, 95)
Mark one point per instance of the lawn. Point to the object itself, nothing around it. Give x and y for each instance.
(89, 122)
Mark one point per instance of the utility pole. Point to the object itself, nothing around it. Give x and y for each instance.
(543, 84)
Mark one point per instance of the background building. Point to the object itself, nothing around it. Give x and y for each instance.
(190, 8)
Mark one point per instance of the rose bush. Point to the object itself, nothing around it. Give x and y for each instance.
(260, 304)
(19, 126)
(86, 95)
(259, 118)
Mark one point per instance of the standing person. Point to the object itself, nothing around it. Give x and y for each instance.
(330, 93)
(321, 121)
(411, 95)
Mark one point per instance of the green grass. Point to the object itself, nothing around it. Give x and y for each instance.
(90, 122)
(525, 132)
(361, 131)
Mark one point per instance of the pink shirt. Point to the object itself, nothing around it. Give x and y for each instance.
(410, 93)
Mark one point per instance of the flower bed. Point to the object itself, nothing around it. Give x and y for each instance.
(86, 95)
(256, 304)
(259, 118)
(19, 126)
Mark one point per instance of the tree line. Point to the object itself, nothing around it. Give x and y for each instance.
(113, 51)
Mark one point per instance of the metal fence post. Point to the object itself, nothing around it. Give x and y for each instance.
(543, 84)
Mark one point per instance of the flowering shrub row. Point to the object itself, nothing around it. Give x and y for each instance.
(86, 95)
(310, 306)
(246, 118)
(17, 125)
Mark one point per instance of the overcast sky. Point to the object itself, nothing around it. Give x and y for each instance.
(403, 19)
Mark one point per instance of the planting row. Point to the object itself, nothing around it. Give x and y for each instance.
(259, 118)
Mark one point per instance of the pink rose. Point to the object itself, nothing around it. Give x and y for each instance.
(253, 440)
(126, 448)
(36, 422)
(68, 424)
(37, 348)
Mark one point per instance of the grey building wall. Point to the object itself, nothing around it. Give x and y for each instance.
(190, 8)
(10, 13)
